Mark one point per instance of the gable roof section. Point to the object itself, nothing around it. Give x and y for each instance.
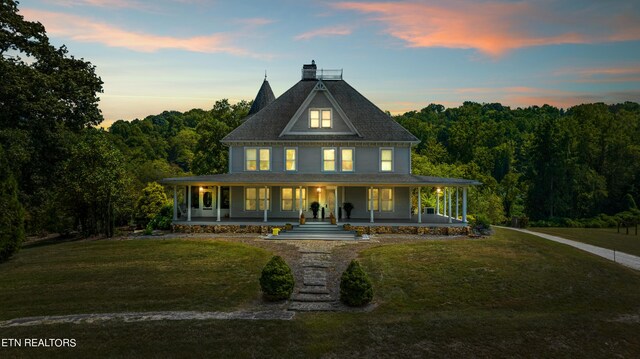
(263, 98)
(300, 115)
(371, 123)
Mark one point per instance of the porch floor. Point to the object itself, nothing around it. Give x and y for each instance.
(428, 220)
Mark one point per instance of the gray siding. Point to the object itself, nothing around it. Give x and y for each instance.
(356, 195)
(301, 123)
(367, 159)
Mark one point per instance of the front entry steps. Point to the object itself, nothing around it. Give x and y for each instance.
(316, 231)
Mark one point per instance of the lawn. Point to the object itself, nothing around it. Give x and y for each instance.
(133, 275)
(512, 295)
(601, 237)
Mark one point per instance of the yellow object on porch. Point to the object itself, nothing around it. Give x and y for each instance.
(275, 231)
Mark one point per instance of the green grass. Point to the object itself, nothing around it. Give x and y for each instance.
(512, 295)
(601, 237)
(136, 275)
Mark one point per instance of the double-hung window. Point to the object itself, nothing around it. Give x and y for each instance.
(291, 202)
(328, 159)
(386, 159)
(254, 198)
(346, 159)
(320, 118)
(382, 199)
(257, 159)
(290, 159)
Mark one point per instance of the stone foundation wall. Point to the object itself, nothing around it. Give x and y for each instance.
(183, 228)
(221, 228)
(441, 231)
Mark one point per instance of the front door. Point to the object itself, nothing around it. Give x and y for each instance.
(207, 202)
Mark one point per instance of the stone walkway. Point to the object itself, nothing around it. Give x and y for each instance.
(145, 317)
(625, 259)
(315, 292)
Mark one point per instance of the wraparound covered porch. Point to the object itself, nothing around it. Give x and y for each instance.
(283, 197)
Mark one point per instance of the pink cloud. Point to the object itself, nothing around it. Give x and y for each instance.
(101, 3)
(324, 32)
(86, 30)
(491, 27)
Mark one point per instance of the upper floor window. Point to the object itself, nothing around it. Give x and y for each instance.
(257, 159)
(320, 118)
(346, 159)
(328, 159)
(290, 159)
(386, 159)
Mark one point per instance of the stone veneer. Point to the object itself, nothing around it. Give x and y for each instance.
(222, 228)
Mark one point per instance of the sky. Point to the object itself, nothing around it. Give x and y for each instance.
(402, 55)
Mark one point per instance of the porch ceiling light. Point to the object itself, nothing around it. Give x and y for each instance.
(438, 190)
(319, 190)
(201, 188)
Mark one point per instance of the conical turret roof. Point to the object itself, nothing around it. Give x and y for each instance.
(263, 98)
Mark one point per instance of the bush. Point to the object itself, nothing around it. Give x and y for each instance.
(355, 286)
(276, 280)
(163, 219)
(150, 203)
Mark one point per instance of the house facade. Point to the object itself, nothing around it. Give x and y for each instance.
(321, 141)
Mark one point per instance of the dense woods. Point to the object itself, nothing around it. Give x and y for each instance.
(61, 173)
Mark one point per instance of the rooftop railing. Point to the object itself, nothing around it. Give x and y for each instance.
(322, 74)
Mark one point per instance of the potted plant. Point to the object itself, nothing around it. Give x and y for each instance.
(332, 218)
(348, 206)
(302, 219)
(315, 207)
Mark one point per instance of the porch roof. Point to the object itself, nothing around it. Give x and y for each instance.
(319, 179)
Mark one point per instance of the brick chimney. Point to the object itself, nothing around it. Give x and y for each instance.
(309, 71)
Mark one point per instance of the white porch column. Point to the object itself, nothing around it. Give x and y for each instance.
(300, 201)
(218, 204)
(266, 192)
(457, 202)
(444, 202)
(419, 206)
(342, 214)
(175, 203)
(464, 205)
(371, 203)
(336, 204)
(449, 205)
(189, 203)
(437, 201)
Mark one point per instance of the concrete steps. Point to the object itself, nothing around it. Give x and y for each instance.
(317, 231)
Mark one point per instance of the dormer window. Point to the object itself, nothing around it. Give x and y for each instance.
(320, 118)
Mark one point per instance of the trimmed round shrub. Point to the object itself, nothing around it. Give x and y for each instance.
(276, 280)
(355, 286)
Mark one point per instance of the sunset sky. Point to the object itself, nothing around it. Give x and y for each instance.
(183, 54)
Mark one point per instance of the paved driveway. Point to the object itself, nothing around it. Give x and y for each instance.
(616, 256)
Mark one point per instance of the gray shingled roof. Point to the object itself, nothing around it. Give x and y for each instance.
(264, 97)
(311, 179)
(371, 122)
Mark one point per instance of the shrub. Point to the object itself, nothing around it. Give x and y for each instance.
(150, 202)
(276, 280)
(163, 219)
(355, 286)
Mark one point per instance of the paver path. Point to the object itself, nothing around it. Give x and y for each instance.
(616, 256)
(317, 290)
(145, 317)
